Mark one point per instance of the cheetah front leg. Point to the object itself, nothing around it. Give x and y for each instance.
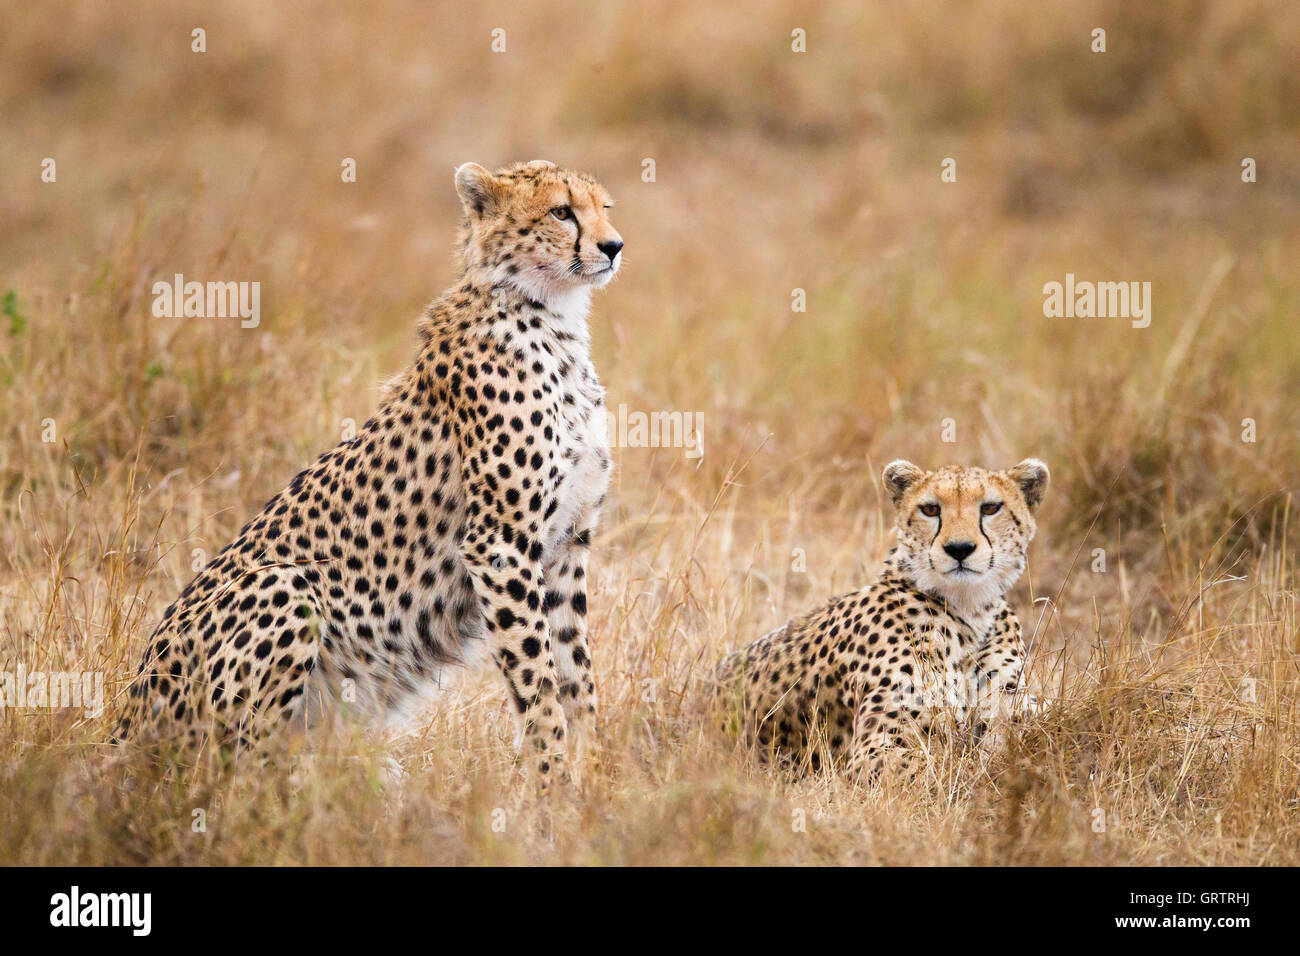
(507, 499)
(509, 590)
(878, 747)
(566, 610)
(998, 674)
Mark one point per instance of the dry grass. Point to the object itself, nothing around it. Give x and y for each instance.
(775, 171)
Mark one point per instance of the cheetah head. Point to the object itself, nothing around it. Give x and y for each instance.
(543, 229)
(963, 532)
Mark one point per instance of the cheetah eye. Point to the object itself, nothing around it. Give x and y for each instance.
(562, 213)
(930, 510)
(990, 507)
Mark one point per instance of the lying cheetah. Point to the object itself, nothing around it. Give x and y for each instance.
(459, 519)
(853, 680)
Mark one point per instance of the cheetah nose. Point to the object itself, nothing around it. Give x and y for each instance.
(611, 248)
(958, 550)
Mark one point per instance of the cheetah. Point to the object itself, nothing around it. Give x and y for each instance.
(852, 683)
(453, 529)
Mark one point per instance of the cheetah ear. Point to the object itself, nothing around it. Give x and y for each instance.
(478, 189)
(899, 475)
(540, 164)
(1032, 476)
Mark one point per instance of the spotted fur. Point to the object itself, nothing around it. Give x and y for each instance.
(932, 640)
(456, 524)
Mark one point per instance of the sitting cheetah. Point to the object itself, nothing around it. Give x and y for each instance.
(458, 520)
(852, 680)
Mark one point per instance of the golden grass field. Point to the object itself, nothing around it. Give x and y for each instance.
(1175, 734)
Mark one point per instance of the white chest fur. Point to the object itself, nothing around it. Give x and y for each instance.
(585, 462)
(555, 335)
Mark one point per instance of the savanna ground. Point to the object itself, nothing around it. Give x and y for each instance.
(1176, 734)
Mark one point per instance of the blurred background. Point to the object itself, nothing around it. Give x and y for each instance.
(774, 171)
